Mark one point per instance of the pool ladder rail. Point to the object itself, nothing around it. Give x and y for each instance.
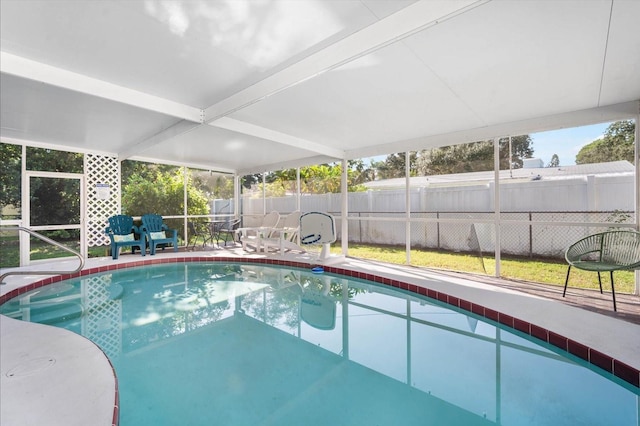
(47, 240)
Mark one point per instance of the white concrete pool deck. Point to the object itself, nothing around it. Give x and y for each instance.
(55, 377)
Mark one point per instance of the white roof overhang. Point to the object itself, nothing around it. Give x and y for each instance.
(249, 86)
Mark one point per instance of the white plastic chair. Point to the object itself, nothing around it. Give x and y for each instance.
(254, 235)
(285, 237)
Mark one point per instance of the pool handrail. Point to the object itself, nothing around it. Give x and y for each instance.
(47, 240)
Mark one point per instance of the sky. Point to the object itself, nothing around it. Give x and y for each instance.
(566, 142)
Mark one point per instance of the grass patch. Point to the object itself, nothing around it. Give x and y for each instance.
(546, 271)
(40, 250)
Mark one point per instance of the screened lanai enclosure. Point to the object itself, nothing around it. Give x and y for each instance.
(414, 123)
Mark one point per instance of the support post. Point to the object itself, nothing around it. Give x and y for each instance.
(344, 228)
(264, 193)
(496, 201)
(637, 187)
(185, 209)
(407, 204)
(25, 241)
(298, 189)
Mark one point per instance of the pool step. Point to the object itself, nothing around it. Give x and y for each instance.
(56, 313)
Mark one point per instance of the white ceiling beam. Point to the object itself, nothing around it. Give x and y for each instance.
(410, 20)
(56, 146)
(293, 164)
(565, 120)
(143, 145)
(32, 70)
(272, 135)
(209, 166)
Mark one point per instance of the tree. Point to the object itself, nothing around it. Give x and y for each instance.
(474, 156)
(326, 178)
(55, 194)
(54, 201)
(147, 171)
(616, 144)
(360, 173)
(555, 161)
(521, 148)
(212, 184)
(163, 195)
(10, 175)
(394, 166)
(248, 181)
(317, 179)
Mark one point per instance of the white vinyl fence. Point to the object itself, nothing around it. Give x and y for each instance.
(538, 218)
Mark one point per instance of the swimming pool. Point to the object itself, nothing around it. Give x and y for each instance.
(233, 343)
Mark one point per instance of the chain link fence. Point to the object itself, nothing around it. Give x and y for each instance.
(528, 234)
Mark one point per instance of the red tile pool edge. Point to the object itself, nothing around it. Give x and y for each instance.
(597, 358)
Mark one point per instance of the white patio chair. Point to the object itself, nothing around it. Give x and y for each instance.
(285, 237)
(254, 235)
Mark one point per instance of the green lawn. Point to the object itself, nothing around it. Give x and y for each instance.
(544, 271)
(10, 255)
(534, 270)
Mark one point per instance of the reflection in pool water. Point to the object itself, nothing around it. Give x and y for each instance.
(236, 344)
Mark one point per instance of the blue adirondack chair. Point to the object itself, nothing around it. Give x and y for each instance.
(122, 233)
(157, 233)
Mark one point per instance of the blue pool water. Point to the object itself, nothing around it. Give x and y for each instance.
(236, 344)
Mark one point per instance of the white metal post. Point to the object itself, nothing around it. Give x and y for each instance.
(407, 204)
(25, 212)
(298, 189)
(264, 192)
(496, 201)
(185, 208)
(344, 190)
(637, 187)
(236, 195)
(84, 199)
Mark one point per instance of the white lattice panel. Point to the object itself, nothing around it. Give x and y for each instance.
(100, 169)
(103, 314)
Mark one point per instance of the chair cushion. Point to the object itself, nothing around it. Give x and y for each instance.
(123, 238)
(158, 235)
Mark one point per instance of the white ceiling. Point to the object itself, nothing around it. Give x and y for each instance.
(253, 85)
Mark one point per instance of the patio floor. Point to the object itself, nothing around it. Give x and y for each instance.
(591, 300)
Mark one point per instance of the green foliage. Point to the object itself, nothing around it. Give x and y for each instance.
(164, 195)
(248, 181)
(50, 160)
(394, 166)
(326, 178)
(317, 179)
(555, 161)
(616, 144)
(322, 178)
(54, 201)
(10, 175)
(146, 171)
(359, 173)
(473, 157)
(212, 184)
